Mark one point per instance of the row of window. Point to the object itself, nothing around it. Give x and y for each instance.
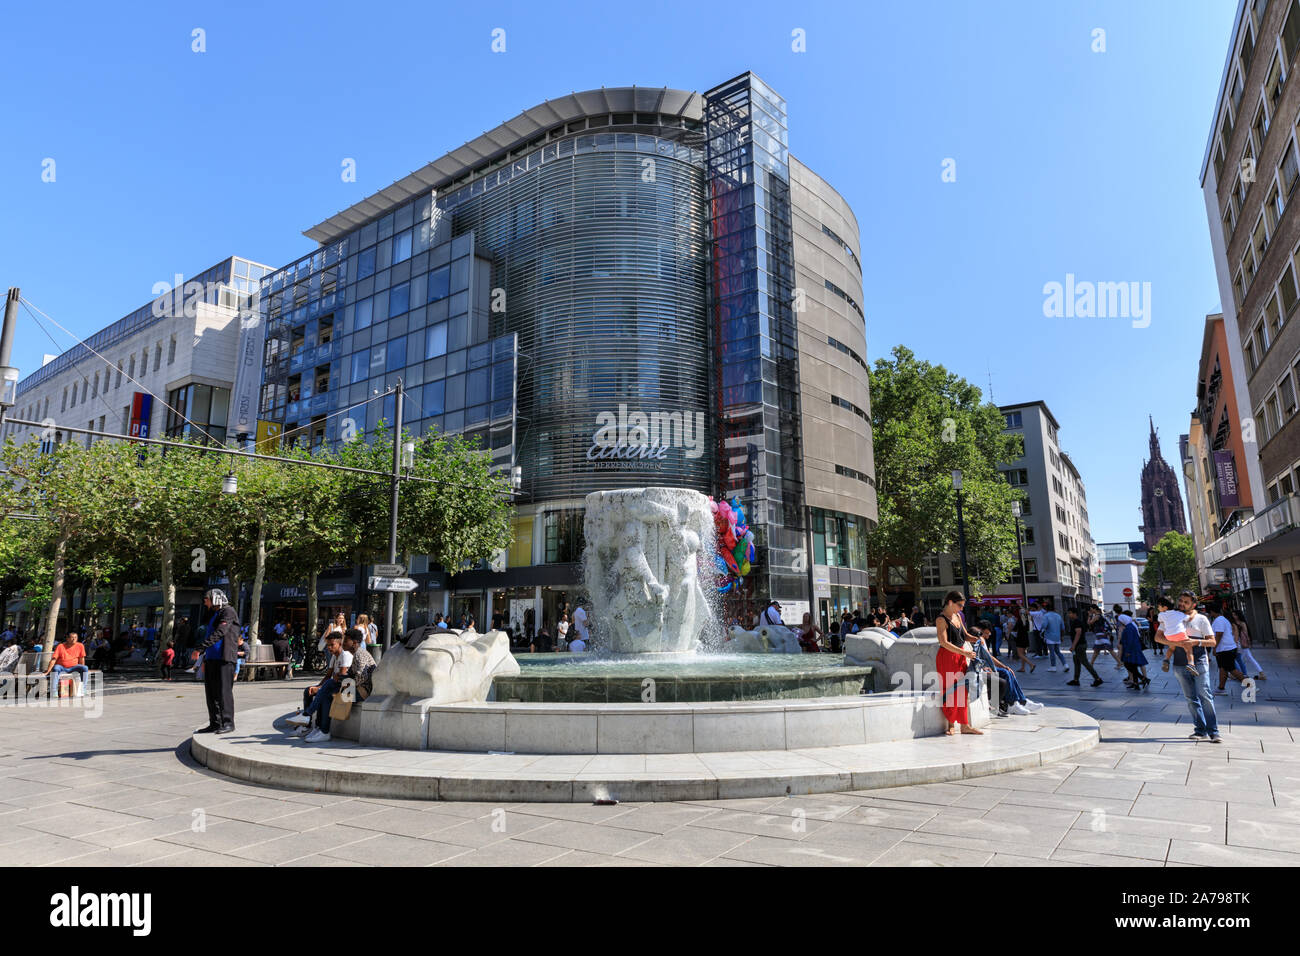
(847, 248)
(1279, 403)
(848, 472)
(837, 344)
(849, 406)
(847, 298)
(91, 388)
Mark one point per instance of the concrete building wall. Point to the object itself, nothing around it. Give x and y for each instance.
(833, 434)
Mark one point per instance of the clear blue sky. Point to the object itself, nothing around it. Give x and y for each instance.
(1068, 161)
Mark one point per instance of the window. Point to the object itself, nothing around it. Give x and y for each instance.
(131, 372)
(200, 412)
(1261, 339)
(1286, 391)
(1290, 291)
(1272, 417)
(1252, 360)
(1031, 570)
(399, 299)
(118, 383)
(1060, 515)
(1273, 85)
(1274, 207)
(956, 573)
(1287, 167)
(930, 572)
(1057, 486)
(360, 366)
(437, 341)
(1247, 48)
(366, 263)
(157, 357)
(1291, 31)
(439, 283)
(401, 246)
(1013, 420)
(1063, 540)
(1272, 317)
(365, 312)
(1029, 534)
(64, 406)
(1238, 88)
(1227, 223)
(1025, 508)
(564, 536)
(171, 351)
(1259, 239)
(1017, 477)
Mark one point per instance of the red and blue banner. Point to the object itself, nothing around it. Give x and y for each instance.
(141, 411)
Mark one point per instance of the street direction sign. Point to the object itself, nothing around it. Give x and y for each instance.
(389, 570)
(392, 584)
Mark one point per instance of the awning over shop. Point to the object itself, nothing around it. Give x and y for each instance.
(1271, 534)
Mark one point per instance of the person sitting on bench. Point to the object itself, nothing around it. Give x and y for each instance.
(68, 658)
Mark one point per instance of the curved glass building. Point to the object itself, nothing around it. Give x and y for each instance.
(618, 288)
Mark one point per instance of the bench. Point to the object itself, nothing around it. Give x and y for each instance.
(259, 656)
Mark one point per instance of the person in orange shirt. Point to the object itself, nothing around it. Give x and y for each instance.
(68, 658)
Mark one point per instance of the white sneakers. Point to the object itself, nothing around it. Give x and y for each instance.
(1052, 669)
(1019, 709)
(317, 736)
(299, 720)
(1034, 706)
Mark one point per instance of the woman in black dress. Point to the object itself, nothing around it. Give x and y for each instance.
(1022, 640)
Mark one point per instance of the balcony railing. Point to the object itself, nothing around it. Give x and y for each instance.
(1278, 518)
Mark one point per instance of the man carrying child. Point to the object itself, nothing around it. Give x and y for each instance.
(1183, 631)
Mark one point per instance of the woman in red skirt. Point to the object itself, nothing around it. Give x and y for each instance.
(950, 661)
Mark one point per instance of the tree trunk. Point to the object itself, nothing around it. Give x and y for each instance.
(56, 593)
(313, 606)
(168, 594)
(259, 574)
(119, 597)
(399, 609)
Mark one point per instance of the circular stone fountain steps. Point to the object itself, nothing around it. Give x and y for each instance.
(261, 752)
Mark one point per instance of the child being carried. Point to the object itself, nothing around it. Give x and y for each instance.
(1173, 626)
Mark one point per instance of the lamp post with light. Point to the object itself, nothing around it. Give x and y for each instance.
(1020, 556)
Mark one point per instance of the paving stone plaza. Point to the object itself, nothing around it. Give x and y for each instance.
(123, 790)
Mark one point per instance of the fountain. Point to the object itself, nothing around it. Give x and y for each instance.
(688, 725)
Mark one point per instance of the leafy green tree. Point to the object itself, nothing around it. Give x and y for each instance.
(75, 489)
(926, 423)
(1171, 562)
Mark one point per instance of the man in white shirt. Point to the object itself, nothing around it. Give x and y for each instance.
(1036, 630)
(322, 695)
(1225, 650)
(1196, 687)
(772, 615)
(580, 625)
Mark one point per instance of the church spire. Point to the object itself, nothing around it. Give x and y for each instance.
(1154, 441)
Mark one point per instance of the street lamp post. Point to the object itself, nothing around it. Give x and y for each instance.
(1020, 556)
(961, 536)
(392, 508)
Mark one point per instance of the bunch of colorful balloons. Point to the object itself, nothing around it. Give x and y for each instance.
(735, 543)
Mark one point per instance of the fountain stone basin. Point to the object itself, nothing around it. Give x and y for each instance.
(663, 678)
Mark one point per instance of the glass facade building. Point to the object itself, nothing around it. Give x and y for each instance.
(606, 291)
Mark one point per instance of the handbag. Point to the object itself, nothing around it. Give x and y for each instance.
(340, 709)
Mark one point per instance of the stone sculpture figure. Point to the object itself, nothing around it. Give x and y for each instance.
(442, 666)
(644, 568)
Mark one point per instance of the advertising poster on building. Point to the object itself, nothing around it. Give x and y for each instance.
(1225, 478)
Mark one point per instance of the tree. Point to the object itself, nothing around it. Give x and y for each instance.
(75, 489)
(459, 516)
(1171, 567)
(926, 423)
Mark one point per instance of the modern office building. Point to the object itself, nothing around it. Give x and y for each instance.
(1060, 558)
(164, 370)
(1122, 565)
(621, 287)
(1248, 177)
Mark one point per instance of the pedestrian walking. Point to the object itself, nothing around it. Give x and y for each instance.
(1038, 648)
(1079, 647)
(1225, 649)
(1051, 628)
(220, 653)
(1244, 656)
(1022, 640)
(1130, 642)
(1100, 629)
(1195, 682)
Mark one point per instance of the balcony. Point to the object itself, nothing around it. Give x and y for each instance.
(1272, 533)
